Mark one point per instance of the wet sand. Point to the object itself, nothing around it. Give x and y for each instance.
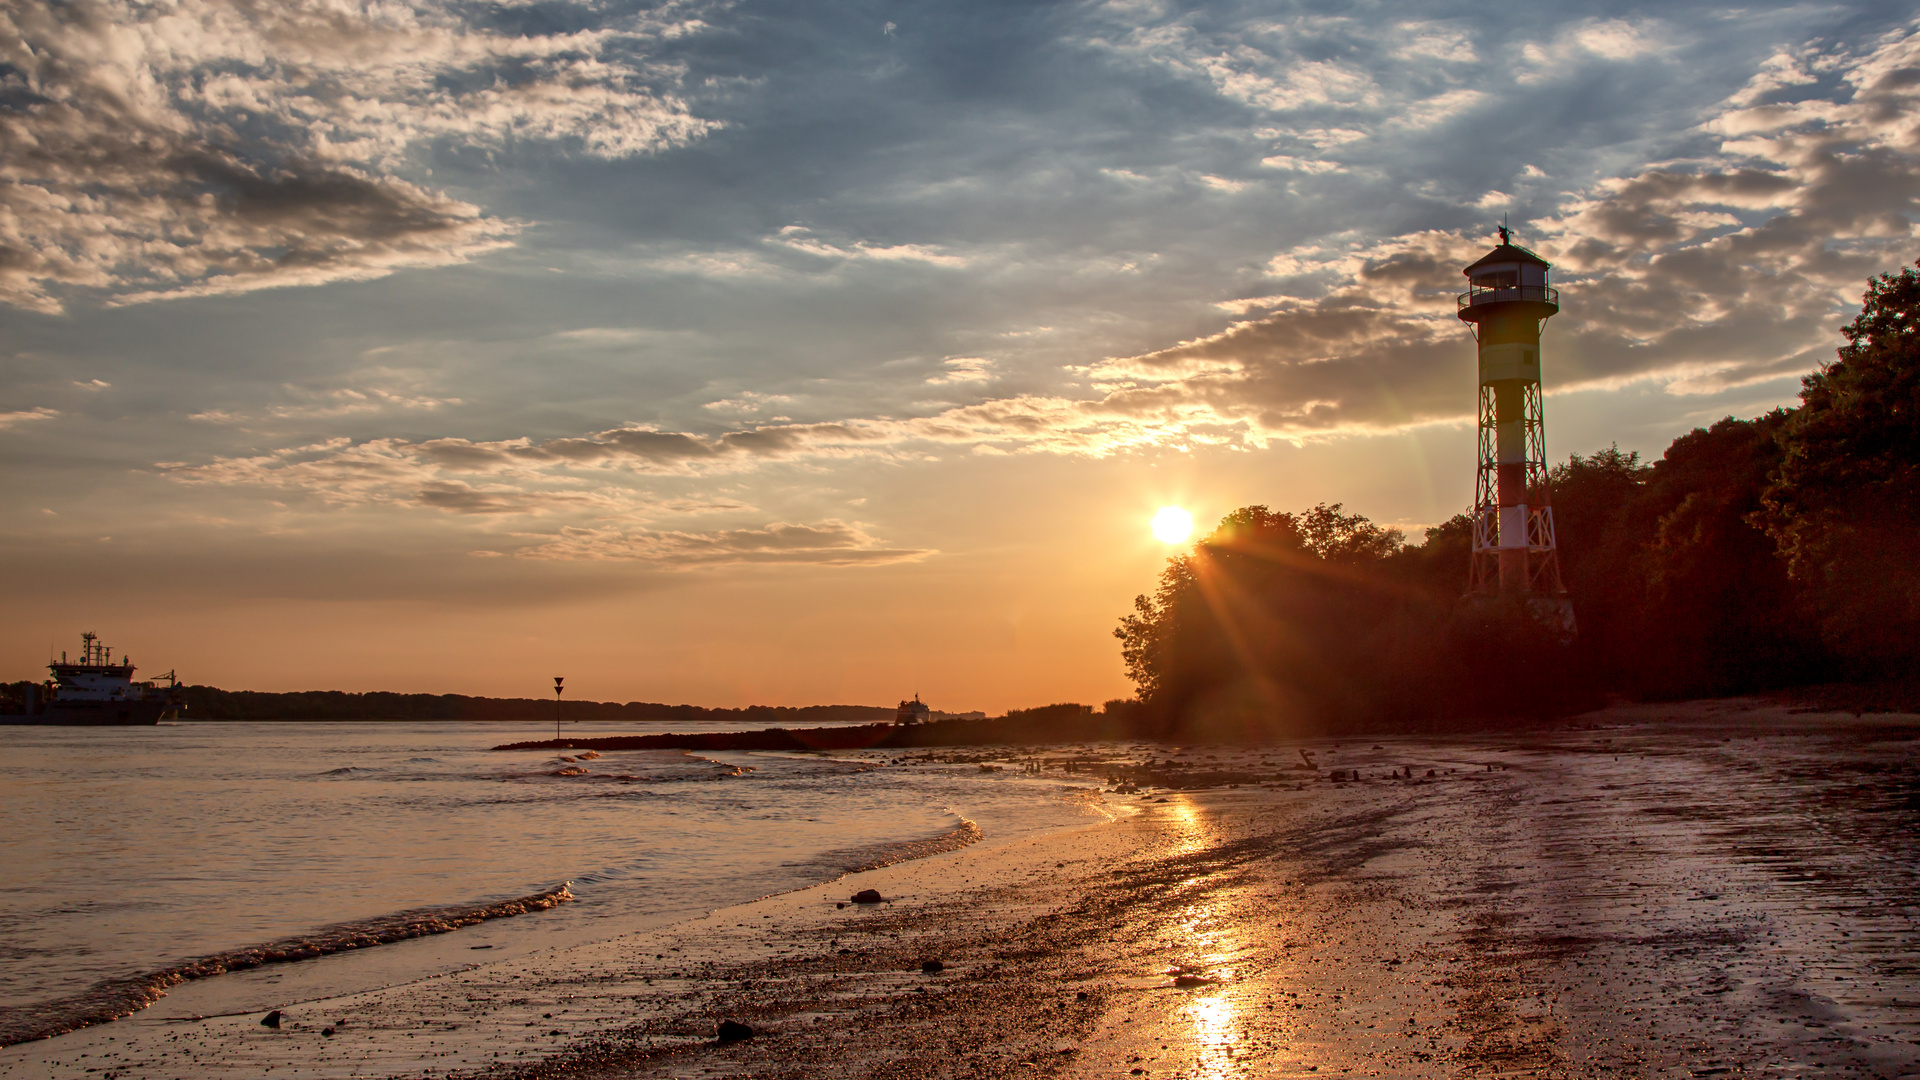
(1714, 889)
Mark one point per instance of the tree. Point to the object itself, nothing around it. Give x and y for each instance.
(1263, 622)
(1599, 524)
(1718, 609)
(1844, 506)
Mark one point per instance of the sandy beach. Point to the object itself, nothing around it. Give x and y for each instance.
(1708, 889)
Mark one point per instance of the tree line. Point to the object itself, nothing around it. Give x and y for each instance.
(213, 703)
(1754, 555)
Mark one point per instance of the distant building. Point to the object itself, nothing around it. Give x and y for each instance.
(912, 712)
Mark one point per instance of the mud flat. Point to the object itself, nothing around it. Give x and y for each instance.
(1715, 889)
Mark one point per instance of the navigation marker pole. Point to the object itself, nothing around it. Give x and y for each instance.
(557, 680)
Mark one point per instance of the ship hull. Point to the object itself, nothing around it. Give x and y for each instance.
(96, 714)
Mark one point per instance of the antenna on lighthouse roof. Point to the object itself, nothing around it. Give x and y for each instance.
(1503, 228)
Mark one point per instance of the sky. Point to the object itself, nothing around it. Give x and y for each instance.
(829, 352)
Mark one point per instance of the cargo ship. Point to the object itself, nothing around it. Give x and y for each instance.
(912, 712)
(95, 691)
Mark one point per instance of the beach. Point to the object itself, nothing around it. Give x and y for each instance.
(1721, 888)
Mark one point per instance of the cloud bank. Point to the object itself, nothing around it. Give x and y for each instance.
(222, 146)
(911, 246)
(1702, 273)
(1718, 270)
(829, 543)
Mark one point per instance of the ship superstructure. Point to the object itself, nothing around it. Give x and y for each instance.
(912, 712)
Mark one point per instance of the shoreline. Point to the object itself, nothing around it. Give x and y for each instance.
(1720, 888)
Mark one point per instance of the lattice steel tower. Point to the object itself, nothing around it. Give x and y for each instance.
(1514, 553)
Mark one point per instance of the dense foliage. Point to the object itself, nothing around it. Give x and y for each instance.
(1755, 554)
(1845, 501)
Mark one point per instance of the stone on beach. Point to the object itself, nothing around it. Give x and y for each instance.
(868, 896)
(932, 967)
(732, 1031)
(272, 1019)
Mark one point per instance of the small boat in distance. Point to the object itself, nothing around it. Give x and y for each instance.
(912, 712)
(95, 691)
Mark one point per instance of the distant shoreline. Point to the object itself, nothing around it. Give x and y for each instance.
(213, 703)
(1055, 724)
(530, 719)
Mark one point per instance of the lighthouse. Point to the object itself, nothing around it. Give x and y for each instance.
(1514, 552)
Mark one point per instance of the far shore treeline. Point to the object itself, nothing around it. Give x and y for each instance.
(213, 703)
(1766, 554)
(208, 703)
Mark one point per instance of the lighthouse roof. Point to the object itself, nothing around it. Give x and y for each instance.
(1506, 253)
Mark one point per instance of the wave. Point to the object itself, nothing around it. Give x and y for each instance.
(110, 999)
(875, 856)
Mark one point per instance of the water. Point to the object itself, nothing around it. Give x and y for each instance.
(131, 849)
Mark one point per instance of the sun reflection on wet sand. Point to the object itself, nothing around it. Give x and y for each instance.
(1213, 1035)
(1193, 833)
(1212, 942)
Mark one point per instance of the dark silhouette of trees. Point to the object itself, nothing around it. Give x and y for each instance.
(1274, 621)
(1676, 590)
(212, 703)
(1844, 506)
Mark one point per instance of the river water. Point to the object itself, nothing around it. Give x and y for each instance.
(127, 850)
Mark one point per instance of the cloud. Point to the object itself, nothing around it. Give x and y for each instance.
(1261, 70)
(219, 146)
(963, 369)
(1613, 40)
(465, 499)
(829, 543)
(749, 401)
(799, 238)
(9, 419)
(1289, 163)
(1437, 43)
(311, 404)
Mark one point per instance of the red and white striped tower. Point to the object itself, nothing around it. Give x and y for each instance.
(1514, 553)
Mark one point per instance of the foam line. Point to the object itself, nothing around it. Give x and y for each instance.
(110, 999)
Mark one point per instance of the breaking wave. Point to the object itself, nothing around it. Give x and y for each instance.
(875, 856)
(113, 998)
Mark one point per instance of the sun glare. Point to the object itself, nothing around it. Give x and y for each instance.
(1172, 525)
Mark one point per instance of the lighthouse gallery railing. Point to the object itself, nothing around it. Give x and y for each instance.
(1491, 295)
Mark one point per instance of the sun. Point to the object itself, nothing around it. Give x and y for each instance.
(1172, 525)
